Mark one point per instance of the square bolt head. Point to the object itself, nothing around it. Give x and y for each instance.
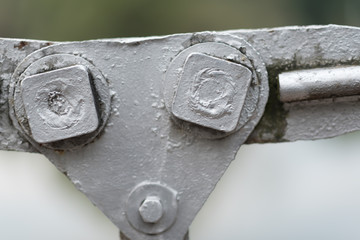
(211, 92)
(59, 104)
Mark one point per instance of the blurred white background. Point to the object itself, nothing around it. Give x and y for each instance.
(304, 190)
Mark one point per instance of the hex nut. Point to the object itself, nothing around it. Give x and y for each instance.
(211, 92)
(151, 210)
(59, 104)
(152, 207)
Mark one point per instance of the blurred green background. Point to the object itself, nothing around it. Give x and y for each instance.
(303, 190)
(89, 19)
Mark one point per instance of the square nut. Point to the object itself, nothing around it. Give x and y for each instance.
(211, 92)
(60, 104)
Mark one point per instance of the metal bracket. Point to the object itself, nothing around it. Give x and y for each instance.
(54, 107)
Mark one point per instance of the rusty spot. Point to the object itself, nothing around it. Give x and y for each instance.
(21, 45)
(134, 44)
(66, 174)
(60, 152)
(46, 44)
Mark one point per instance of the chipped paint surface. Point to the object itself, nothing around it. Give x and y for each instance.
(59, 104)
(12, 52)
(217, 92)
(142, 141)
(295, 48)
(282, 49)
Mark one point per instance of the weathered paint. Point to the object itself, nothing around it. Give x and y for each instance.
(141, 142)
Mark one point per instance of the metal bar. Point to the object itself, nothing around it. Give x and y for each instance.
(319, 83)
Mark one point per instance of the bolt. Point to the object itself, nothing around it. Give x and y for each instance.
(59, 104)
(151, 210)
(152, 207)
(211, 92)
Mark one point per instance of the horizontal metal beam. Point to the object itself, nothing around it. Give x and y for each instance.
(282, 50)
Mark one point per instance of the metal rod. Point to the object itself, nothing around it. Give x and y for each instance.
(319, 83)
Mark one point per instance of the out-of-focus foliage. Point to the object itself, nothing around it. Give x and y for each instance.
(90, 19)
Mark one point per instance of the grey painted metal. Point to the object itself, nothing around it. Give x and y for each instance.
(62, 66)
(319, 83)
(295, 48)
(59, 104)
(227, 48)
(140, 142)
(123, 237)
(12, 52)
(152, 208)
(281, 49)
(211, 92)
